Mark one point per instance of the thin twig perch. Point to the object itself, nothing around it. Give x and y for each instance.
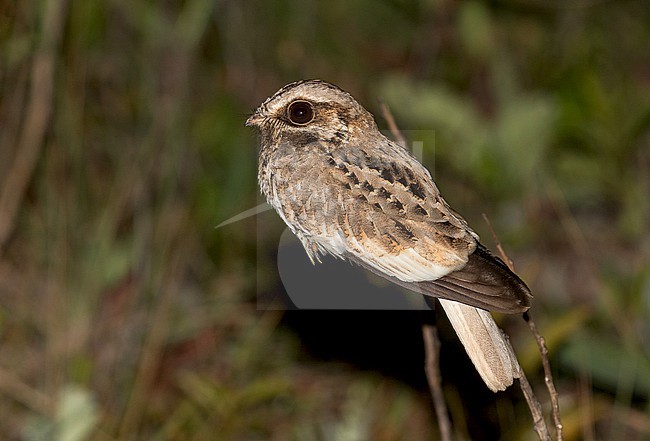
(543, 351)
(432, 348)
(534, 405)
(548, 377)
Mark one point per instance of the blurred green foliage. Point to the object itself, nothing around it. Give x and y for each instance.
(122, 306)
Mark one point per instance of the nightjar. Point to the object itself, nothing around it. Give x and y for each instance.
(345, 189)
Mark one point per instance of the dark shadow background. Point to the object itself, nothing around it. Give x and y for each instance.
(124, 313)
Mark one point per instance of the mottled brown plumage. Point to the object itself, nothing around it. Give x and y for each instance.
(345, 189)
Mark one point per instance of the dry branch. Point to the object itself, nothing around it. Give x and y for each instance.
(543, 351)
(432, 348)
(432, 369)
(37, 118)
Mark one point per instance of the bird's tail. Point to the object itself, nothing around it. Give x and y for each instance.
(485, 344)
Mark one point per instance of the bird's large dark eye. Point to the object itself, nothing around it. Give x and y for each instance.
(300, 112)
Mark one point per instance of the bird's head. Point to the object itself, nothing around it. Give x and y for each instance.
(311, 111)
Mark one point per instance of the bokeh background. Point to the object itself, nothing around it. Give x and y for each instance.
(124, 313)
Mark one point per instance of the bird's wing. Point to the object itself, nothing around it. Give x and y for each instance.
(485, 282)
(385, 213)
(393, 218)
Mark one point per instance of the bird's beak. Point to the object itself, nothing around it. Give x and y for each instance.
(254, 120)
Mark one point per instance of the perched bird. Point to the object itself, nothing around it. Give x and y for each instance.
(345, 189)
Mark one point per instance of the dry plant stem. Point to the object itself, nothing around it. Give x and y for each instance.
(533, 403)
(548, 377)
(432, 348)
(392, 125)
(37, 118)
(587, 408)
(432, 369)
(13, 387)
(541, 344)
